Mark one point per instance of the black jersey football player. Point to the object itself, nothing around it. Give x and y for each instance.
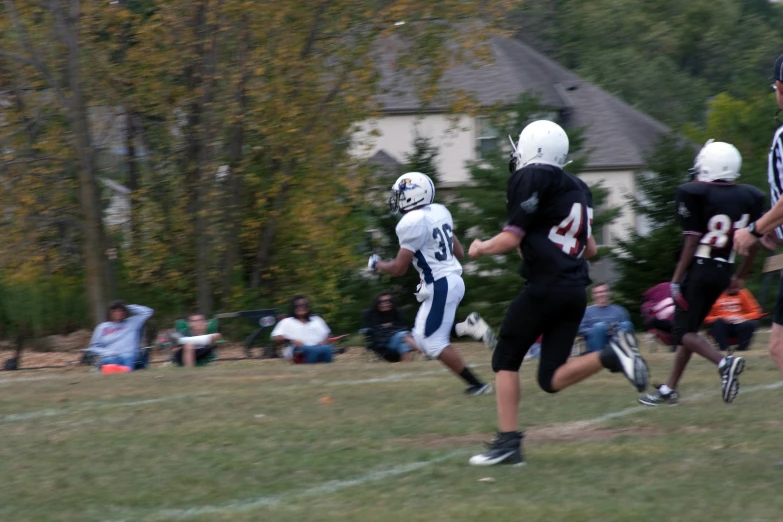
(549, 220)
(711, 208)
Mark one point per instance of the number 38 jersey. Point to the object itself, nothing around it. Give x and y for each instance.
(554, 211)
(714, 210)
(428, 233)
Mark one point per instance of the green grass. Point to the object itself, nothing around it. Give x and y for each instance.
(249, 441)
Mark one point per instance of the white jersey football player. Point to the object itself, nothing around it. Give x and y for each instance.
(426, 235)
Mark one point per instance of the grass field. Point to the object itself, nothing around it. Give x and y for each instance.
(361, 441)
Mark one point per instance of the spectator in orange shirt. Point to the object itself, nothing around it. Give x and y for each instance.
(735, 314)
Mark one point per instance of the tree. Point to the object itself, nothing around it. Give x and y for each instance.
(55, 62)
(685, 51)
(646, 260)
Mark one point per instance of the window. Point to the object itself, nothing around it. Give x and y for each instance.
(601, 235)
(487, 136)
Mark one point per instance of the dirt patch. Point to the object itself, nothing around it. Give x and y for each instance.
(77, 340)
(577, 431)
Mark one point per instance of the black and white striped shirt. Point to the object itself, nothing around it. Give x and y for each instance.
(775, 172)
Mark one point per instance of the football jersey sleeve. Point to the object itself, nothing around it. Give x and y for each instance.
(757, 210)
(412, 235)
(689, 209)
(523, 194)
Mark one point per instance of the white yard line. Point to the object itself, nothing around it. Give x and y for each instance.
(9, 380)
(375, 476)
(23, 416)
(327, 487)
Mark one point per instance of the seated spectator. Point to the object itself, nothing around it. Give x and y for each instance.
(387, 331)
(198, 346)
(602, 320)
(116, 341)
(305, 333)
(734, 314)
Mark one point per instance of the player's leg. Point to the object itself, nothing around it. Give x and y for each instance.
(477, 328)
(712, 281)
(520, 329)
(556, 372)
(432, 330)
(684, 321)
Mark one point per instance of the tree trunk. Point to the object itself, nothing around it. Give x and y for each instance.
(133, 177)
(96, 275)
(236, 155)
(268, 236)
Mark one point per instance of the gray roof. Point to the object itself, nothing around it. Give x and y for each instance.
(617, 134)
(384, 160)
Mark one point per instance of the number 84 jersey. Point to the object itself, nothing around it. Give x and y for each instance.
(428, 232)
(553, 212)
(713, 211)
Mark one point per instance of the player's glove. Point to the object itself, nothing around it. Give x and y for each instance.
(677, 296)
(373, 261)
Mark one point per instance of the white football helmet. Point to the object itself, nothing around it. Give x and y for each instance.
(717, 161)
(411, 190)
(544, 142)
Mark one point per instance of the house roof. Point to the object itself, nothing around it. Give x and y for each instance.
(617, 135)
(385, 161)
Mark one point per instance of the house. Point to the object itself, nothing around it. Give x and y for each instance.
(618, 136)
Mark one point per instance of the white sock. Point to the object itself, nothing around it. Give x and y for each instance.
(722, 363)
(197, 340)
(460, 328)
(665, 390)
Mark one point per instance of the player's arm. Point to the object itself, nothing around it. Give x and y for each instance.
(397, 266)
(459, 253)
(759, 228)
(591, 249)
(522, 195)
(504, 242)
(686, 257)
(688, 205)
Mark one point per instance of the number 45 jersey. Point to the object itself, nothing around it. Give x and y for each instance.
(553, 211)
(714, 210)
(428, 233)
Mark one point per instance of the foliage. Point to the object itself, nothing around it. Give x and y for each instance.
(230, 122)
(666, 57)
(643, 261)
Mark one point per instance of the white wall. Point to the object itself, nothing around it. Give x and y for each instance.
(619, 183)
(454, 136)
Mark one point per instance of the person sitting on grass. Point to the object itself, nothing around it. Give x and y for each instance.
(387, 330)
(199, 346)
(734, 314)
(116, 341)
(603, 319)
(304, 333)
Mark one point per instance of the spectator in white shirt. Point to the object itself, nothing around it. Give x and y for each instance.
(304, 333)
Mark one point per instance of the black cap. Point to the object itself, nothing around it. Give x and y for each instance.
(777, 73)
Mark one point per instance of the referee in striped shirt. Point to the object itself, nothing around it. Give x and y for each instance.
(768, 227)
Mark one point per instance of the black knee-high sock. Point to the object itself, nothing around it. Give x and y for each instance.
(469, 378)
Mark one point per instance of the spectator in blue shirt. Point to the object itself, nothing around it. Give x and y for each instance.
(602, 319)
